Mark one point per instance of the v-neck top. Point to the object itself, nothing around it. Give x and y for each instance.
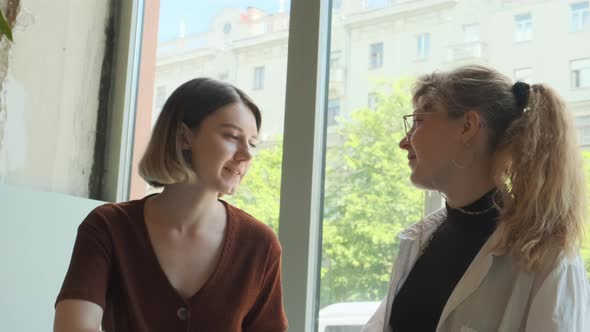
(114, 265)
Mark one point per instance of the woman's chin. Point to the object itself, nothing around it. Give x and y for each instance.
(420, 182)
(228, 191)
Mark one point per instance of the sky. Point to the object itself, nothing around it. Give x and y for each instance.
(198, 14)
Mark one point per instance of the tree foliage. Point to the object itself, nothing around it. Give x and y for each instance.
(259, 194)
(368, 199)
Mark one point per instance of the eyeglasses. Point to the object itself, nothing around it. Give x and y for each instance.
(410, 122)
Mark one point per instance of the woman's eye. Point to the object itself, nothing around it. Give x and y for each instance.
(232, 136)
(253, 146)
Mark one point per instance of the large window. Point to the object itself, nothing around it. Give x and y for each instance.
(342, 194)
(368, 198)
(339, 241)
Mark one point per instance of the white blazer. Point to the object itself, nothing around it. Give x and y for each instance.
(494, 294)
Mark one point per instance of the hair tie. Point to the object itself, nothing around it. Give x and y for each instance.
(521, 91)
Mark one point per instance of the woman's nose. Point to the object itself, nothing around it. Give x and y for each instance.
(244, 153)
(404, 143)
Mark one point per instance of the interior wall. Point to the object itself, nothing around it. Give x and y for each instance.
(50, 94)
(37, 236)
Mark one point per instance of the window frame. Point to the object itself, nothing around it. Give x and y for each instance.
(522, 32)
(131, 53)
(423, 47)
(259, 73)
(304, 144)
(577, 22)
(576, 71)
(376, 55)
(332, 111)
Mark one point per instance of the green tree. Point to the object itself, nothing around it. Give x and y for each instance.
(368, 199)
(259, 194)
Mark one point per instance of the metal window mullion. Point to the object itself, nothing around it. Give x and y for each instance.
(303, 160)
(121, 123)
(127, 136)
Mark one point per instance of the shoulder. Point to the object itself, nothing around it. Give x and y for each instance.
(562, 277)
(252, 230)
(561, 300)
(569, 270)
(110, 216)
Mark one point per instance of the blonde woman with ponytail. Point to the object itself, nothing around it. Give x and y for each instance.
(502, 255)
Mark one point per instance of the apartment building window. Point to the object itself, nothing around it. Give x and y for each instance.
(372, 101)
(584, 136)
(335, 57)
(580, 16)
(523, 74)
(259, 78)
(583, 126)
(376, 55)
(224, 76)
(580, 73)
(470, 33)
(423, 46)
(523, 27)
(333, 111)
(160, 97)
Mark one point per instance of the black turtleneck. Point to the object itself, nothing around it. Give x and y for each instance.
(421, 299)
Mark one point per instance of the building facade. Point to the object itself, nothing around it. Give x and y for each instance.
(372, 41)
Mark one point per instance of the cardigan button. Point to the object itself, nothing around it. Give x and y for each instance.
(182, 313)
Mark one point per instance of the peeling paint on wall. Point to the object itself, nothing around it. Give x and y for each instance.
(49, 97)
(14, 135)
(10, 8)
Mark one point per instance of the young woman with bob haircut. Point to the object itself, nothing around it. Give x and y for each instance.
(183, 259)
(502, 255)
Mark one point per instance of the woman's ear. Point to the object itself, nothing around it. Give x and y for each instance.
(471, 126)
(187, 137)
